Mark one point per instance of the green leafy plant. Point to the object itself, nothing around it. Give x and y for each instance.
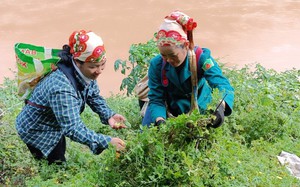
(242, 152)
(138, 63)
(165, 156)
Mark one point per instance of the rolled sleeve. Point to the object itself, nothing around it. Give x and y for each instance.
(216, 79)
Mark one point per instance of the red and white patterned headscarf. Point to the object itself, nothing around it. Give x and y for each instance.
(173, 31)
(86, 46)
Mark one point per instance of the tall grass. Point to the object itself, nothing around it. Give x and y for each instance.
(242, 152)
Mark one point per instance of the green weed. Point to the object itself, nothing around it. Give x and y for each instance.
(242, 152)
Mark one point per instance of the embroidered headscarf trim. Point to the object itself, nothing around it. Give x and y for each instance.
(173, 31)
(86, 46)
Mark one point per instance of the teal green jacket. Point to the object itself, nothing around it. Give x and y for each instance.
(177, 94)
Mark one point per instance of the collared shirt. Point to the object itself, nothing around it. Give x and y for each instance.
(87, 80)
(44, 127)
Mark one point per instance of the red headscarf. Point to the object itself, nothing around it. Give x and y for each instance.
(86, 46)
(173, 31)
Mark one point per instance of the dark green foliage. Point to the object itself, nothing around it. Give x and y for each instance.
(242, 152)
(267, 103)
(138, 63)
(164, 156)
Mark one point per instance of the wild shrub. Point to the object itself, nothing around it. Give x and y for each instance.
(242, 152)
(266, 103)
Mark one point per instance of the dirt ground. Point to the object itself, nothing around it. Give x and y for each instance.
(237, 32)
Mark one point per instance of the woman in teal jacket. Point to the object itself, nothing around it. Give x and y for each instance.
(170, 76)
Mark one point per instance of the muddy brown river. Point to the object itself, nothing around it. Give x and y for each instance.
(238, 32)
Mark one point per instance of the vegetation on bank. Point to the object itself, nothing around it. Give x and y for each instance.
(242, 152)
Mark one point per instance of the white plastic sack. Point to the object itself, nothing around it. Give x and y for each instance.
(291, 161)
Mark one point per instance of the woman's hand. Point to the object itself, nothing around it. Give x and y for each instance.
(117, 121)
(118, 143)
(219, 113)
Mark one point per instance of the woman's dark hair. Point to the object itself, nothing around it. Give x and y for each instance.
(79, 61)
(65, 53)
(66, 56)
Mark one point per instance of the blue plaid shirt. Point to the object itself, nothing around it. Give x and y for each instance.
(44, 127)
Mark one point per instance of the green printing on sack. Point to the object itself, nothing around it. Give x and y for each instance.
(33, 63)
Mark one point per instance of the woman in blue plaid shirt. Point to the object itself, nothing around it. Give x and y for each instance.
(53, 110)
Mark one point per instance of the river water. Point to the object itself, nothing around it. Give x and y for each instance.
(238, 32)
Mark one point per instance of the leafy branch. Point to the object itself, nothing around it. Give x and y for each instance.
(137, 64)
